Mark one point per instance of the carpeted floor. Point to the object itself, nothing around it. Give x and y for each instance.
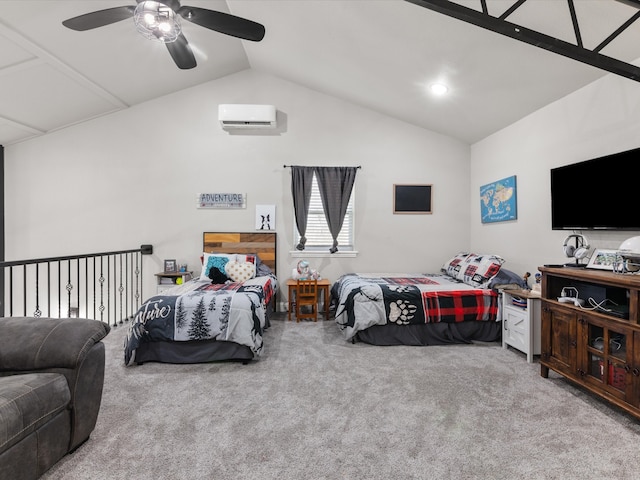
(317, 407)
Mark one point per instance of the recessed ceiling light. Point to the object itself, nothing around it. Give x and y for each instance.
(438, 88)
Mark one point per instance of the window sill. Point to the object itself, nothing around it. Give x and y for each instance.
(322, 253)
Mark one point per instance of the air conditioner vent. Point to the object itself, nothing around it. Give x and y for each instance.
(233, 116)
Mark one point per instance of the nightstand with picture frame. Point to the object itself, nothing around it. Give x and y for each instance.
(172, 276)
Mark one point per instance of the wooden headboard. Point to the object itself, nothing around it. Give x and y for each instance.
(263, 244)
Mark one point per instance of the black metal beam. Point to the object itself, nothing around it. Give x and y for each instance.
(532, 37)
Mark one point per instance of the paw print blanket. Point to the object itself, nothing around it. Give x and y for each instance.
(364, 300)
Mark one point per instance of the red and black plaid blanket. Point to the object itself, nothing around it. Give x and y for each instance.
(460, 306)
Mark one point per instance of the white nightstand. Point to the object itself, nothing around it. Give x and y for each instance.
(521, 324)
(168, 280)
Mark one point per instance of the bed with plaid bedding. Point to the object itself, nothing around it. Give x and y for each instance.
(365, 300)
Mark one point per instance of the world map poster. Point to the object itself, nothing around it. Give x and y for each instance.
(498, 201)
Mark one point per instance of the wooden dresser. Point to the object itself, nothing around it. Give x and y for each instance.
(596, 345)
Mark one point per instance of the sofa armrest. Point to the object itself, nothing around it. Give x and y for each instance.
(68, 346)
(29, 343)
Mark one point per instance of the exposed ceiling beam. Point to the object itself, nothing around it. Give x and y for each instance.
(43, 55)
(541, 40)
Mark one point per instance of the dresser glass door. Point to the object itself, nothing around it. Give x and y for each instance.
(607, 356)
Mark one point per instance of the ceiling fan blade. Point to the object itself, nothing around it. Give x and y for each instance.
(100, 18)
(223, 23)
(181, 53)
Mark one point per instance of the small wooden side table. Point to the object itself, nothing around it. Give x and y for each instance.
(323, 286)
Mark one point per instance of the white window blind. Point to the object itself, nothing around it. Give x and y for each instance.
(318, 234)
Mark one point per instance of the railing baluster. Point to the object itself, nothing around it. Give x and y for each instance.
(94, 287)
(24, 286)
(86, 289)
(101, 280)
(37, 312)
(11, 291)
(120, 288)
(59, 291)
(109, 277)
(69, 288)
(78, 283)
(48, 289)
(126, 279)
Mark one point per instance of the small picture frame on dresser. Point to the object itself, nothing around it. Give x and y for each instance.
(170, 266)
(602, 259)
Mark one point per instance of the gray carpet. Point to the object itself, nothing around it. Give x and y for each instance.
(317, 407)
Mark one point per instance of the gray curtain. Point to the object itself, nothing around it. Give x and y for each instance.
(301, 180)
(335, 184)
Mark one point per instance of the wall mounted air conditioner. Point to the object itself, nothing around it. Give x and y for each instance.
(236, 116)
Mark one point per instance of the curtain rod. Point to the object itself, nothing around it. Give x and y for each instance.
(289, 166)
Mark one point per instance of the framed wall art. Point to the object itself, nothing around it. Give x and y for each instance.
(412, 199)
(498, 201)
(265, 217)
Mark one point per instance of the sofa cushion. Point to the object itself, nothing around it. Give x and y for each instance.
(27, 402)
(29, 343)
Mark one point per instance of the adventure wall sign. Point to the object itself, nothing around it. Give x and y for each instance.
(222, 200)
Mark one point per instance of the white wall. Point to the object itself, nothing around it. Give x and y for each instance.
(132, 178)
(600, 119)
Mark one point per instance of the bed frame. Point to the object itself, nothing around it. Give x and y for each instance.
(430, 333)
(262, 244)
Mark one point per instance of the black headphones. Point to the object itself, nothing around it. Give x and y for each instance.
(579, 250)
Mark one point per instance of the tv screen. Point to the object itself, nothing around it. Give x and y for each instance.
(598, 194)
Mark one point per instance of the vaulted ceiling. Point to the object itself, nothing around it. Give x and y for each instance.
(379, 54)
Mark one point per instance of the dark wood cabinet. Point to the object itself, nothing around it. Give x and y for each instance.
(558, 339)
(596, 344)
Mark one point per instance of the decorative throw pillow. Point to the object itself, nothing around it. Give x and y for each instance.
(215, 260)
(217, 277)
(453, 266)
(240, 272)
(478, 270)
(246, 258)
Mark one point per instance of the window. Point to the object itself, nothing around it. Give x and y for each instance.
(318, 234)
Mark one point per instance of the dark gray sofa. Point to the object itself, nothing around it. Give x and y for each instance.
(51, 379)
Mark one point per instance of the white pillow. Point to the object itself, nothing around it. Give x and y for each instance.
(453, 266)
(240, 272)
(246, 258)
(215, 260)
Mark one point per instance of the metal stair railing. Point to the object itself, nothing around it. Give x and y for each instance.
(103, 286)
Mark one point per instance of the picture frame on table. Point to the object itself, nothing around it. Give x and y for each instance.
(602, 259)
(170, 266)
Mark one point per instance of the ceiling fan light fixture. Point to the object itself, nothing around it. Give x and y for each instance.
(157, 21)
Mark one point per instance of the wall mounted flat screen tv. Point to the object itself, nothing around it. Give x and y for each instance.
(598, 194)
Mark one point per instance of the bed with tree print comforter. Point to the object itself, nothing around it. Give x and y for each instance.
(199, 311)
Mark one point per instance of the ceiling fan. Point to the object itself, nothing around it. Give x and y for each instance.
(161, 21)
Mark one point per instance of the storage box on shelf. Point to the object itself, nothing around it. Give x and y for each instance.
(521, 321)
(596, 345)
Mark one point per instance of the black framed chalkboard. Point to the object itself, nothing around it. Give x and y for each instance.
(412, 199)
